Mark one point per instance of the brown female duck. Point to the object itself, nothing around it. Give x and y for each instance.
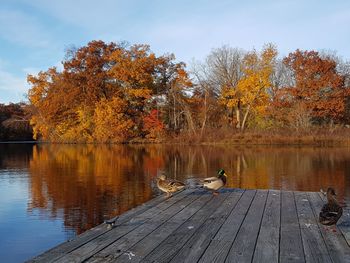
(169, 186)
(332, 211)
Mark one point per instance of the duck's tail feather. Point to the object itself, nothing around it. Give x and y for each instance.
(194, 183)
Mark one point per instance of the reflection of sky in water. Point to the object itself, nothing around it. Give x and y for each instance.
(22, 234)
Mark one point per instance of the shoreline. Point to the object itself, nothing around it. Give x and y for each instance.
(341, 138)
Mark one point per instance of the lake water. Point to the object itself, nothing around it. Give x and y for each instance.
(50, 193)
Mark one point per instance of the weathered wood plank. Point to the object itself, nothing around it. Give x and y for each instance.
(183, 232)
(119, 252)
(168, 248)
(164, 210)
(143, 248)
(314, 246)
(267, 246)
(193, 249)
(92, 233)
(335, 242)
(344, 224)
(122, 245)
(291, 248)
(236, 226)
(221, 243)
(242, 249)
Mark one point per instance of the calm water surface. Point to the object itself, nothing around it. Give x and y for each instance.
(50, 193)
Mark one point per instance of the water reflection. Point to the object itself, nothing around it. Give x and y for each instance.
(87, 184)
(287, 168)
(15, 155)
(82, 185)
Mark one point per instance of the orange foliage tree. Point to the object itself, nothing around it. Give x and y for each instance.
(103, 93)
(318, 93)
(49, 107)
(110, 92)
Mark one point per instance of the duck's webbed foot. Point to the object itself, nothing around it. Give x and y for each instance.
(334, 228)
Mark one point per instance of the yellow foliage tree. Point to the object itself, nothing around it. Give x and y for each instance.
(77, 129)
(251, 90)
(112, 122)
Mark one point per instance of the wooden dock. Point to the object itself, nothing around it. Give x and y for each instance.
(195, 226)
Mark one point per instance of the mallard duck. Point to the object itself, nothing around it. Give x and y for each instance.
(332, 211)
(169, 186)
(215, 183)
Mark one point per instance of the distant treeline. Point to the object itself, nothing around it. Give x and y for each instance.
(14, 122)
(110, 92)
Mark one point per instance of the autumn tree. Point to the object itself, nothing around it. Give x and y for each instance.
(223, 71)
(133, 74)
(87, 71)
(318, 88)
(112, 121)
(281, 77)
(342, 65)
(86, 76)
(14, 122)
(180, 113)
(173, 87)
(251, 93)
(103, 93)
(152, 124)
(240, 80)
(64, 101)
(52, 105)
(204, 99)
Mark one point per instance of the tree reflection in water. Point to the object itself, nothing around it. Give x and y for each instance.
(86, 184)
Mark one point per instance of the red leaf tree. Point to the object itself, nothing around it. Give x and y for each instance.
(318, 87)
(152, 124)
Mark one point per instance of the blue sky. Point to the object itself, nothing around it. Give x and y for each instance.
(35, 33)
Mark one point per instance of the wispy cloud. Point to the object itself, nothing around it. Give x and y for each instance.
(20, 28)
(190, 27)
(89, 15)
(12, 88)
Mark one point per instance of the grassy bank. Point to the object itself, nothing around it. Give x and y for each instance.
(315, 137)
(311, 137)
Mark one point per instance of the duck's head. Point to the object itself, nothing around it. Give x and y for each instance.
(331, 191)
(221, 173)
(161, 177)
(331, 195)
